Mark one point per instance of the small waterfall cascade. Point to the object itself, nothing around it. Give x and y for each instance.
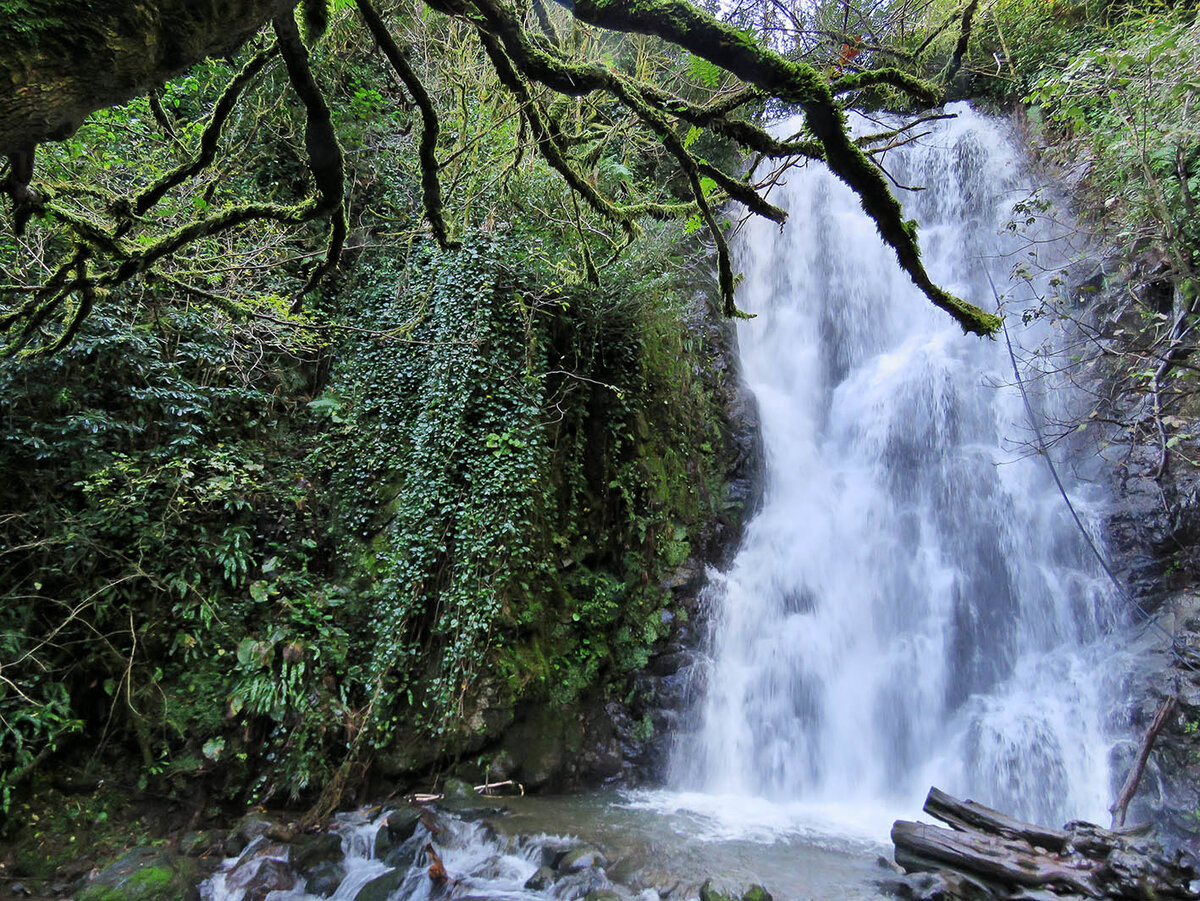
(913, 604)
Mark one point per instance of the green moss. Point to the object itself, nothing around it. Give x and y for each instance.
(150, 884)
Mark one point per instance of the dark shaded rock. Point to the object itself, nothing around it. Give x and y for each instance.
(259, 876)
(669, 664)
(382, 887)
(688, 577)
(537, 743)
(196, 844)
(541, 880)
(458, 791)
(253, 825)
(314, 850)
(396, 830)
(501, 767)
(325, 878)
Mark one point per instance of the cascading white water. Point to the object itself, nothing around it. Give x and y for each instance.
(913, 604)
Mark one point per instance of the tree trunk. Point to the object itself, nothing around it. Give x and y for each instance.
(76, 56)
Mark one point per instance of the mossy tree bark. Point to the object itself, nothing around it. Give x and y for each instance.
(74, 57)
(80, 57)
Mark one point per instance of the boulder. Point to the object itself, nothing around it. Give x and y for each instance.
(581, 859)
(311, 851)
(259, 876)
(247, 829)
(457, 791)
(143, 874)
(324, 879)
(396, 830)
(381, 888)
(196, 844)
(541, 880)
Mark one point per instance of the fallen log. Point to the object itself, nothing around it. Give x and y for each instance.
(1008, 861)
(970, 815)
(986, 850)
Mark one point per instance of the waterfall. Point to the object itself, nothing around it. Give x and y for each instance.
(913, 604)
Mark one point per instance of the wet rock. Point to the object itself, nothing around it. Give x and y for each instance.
(253, 825)
(581, 882)
(688, 577)
(396, 830)
(940, 886)
(257, 877)
(381, 888)
(669, 664)
(708, 893)
(602, 895)
(580, 859)
(325, 878)
(541, 880)
(502, 767)
(143, 874)
(314, 850)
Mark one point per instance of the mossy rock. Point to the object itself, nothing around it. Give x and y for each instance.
(458, 791)
(708, 893)
(143, 874)
(581, 859)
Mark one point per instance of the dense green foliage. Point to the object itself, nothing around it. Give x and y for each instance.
(263, 547)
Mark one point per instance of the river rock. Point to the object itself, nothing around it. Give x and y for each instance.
(708, 893)
(324, 879)
(312, 851)
(248, 828)
(541, 880)
(501, 768)
(939, 886)
(602, 895)
(581, 859)
(396, 830)
(196, 844)
(457, 791)
(143, 874)
(258, 876)
(381, 888)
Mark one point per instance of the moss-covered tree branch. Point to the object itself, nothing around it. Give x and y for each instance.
(431, 127)
(795, 82)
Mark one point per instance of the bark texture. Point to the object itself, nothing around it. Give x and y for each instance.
(69, 58)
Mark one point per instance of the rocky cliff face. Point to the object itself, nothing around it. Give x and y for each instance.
(1150, 441)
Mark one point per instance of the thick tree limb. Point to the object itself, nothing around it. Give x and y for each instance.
(430, 126)
(1004, 857)
(320, 140)
(92, 55)
(211, 136)
(964, 37)
(795, 82)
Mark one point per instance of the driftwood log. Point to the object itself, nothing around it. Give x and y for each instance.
(987, 854)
